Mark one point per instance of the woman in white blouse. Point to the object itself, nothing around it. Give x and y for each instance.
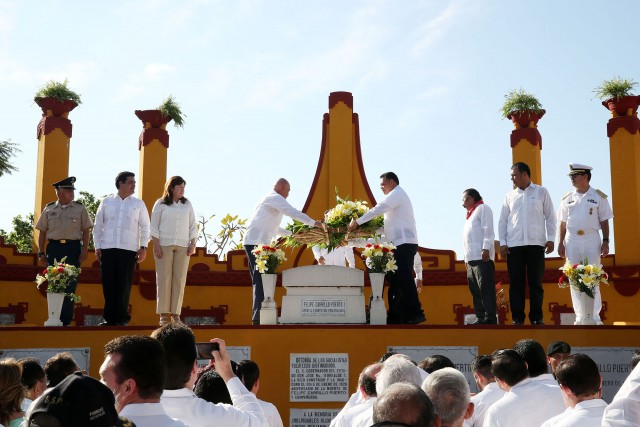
(174, 233)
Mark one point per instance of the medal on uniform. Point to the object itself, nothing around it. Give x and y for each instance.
(590, 211)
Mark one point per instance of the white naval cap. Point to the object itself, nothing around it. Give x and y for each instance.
(577, 168)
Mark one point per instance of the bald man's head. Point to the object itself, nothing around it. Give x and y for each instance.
(282, 187)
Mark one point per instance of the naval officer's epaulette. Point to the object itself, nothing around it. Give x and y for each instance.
(567, 195)
(604, 196)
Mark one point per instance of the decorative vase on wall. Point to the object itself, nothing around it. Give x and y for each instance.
(54, 303)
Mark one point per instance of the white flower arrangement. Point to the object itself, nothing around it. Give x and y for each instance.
(379, 258)
(58, 277)
(583, 277)
(268, 258)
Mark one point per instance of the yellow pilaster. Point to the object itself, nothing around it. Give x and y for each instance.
(54, 139)
(153, 172)
(340, 163)
(528, 153)
(526, 145)
(624, 146)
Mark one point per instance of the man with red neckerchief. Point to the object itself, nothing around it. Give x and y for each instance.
(479, 252)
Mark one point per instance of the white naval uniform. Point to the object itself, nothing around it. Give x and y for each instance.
(583, 214)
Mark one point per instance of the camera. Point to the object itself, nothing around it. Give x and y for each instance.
(204, 349)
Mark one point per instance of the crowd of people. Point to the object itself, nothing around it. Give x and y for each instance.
(155, 381)
(145, 381)
(514, 389)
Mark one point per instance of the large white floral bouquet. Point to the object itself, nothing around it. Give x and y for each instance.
(583, 277)
(58, 276)
(336, 223)
(268, 258)
(379, 258)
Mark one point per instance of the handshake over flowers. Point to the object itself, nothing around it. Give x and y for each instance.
(348, 223)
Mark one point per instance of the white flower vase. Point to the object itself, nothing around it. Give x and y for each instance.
(54, 303)
(268, 312)
(583, 306)
(377, 309)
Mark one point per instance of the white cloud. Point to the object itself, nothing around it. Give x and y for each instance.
(158, 71)
(434, 29)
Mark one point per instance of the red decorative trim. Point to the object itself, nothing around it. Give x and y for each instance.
(323, 148)
(48, 124)
(149, 134)
(523, 118)
(346, 97)
(57, 107)
(557, 309)
(621, 106)
(365, 183)
(629, 123)
(530, 134)
(18, 311)
(461, 311)
(218, 313)
(154, 117)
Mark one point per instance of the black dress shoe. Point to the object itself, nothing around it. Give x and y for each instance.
(518, 322)
(105, 323)
(415, 320)
(537, 322)
(489, 321)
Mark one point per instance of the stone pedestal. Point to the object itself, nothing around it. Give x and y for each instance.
(323, 294)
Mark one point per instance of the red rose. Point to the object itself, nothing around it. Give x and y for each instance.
(575, 266)
(376, 246)
(44, 272)
(561, 280)
(605, 276)
(385, 250)
(368, 245)
(60, 269)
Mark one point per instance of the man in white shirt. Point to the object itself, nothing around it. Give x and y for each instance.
(340, 256)
(536, 358)
(490, 391)
(367, 391)
(400, 229)
(120, 235)
(397, 368)
(479, 252)
(249, 373)
(526, 212)
(527, 402)
(583, 213)
(624, 409)
(178, 398)
(557, 351)
(580, 383)
(134, 369)
(404, 404)
(263, 227)
(449, 392)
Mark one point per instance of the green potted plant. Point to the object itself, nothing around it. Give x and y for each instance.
(57, 98)
(522, 108)
(167, 111)
(616, 95)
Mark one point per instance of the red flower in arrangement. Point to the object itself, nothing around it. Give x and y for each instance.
(575, 265)
(60, 269)
(561, 279)
(376, 246)
(44, 271)
(385, 250)
(368, 245)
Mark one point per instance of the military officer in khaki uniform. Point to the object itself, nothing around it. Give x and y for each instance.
(584, 211)
(66, 225)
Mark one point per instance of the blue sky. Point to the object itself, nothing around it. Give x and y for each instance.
(253, 78)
